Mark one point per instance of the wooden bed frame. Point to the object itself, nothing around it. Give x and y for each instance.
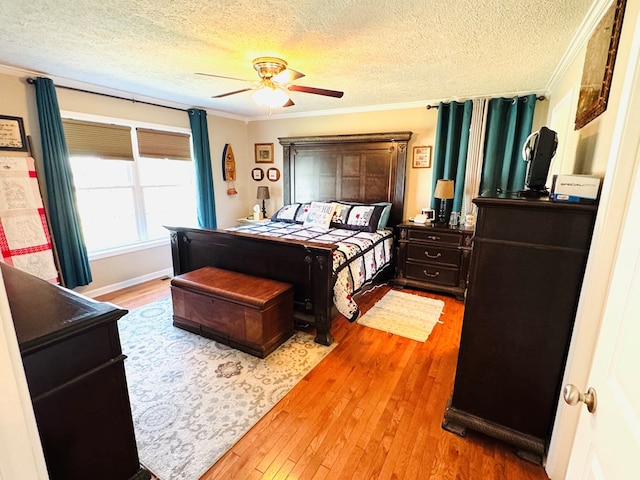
(363, 168)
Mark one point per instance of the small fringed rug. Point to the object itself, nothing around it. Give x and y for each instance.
(404, 314)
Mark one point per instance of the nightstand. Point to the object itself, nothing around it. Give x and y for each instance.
(433, 257)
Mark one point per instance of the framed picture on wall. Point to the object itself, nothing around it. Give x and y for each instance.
(597, 72)
(273, 174)
(12, 136)
(422, 157)
(257, 174)
(264, 152)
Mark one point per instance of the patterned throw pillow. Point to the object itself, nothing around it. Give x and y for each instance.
(340, 215)
(364, 217)
(319, 215)
(286, 213)
(301, 214)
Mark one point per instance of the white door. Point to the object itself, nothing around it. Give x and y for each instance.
(607, 442)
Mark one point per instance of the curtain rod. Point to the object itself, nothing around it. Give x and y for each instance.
(32, 81)
(429, 107)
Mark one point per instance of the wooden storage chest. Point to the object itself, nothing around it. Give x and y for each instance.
(252, 314)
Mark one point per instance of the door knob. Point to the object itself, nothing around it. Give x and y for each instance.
(572, 396)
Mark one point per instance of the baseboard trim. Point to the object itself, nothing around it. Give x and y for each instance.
(167, 272)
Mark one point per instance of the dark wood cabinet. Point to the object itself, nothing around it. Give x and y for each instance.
(74, 367)
(525, 277)
(433, 257)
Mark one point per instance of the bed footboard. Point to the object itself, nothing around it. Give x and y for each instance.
(305, 265)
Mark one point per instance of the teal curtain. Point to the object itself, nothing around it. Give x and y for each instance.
(450, 150)
(61, 201)
(509, 123)
(204, 175)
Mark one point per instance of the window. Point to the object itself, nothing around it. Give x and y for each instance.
(124, 198)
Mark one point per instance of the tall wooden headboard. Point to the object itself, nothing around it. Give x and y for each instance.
(363, 168)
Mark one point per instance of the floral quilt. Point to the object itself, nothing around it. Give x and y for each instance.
(357, 260)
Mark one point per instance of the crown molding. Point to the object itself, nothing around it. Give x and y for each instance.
(579, 41)
(124, 95)
(92, 88)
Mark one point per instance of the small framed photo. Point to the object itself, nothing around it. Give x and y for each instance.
(12, 136)
(257, 174)
(273, 174)
(264, 152)
(422, 157)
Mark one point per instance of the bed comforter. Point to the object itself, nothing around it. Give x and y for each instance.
(359, 256)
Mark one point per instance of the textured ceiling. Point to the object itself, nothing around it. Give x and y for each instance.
(379, 52)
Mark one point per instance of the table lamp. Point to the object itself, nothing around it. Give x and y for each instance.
(444, 191)
(263, 194)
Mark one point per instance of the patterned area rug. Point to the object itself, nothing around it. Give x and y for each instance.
(192, 398)
(404, 314)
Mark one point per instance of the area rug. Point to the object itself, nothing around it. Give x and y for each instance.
(193, 398)
(404, 314)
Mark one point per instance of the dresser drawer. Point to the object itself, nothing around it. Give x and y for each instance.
(432, 273)
(79, 354)
(433, 254)
(427, 235)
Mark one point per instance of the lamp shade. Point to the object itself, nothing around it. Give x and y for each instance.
(444, 189)
(263, 193)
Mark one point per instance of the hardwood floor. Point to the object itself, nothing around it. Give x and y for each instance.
(372, 409)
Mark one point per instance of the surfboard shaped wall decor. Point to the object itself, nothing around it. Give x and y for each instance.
(229, 169)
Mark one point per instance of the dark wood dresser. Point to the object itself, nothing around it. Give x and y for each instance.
(74, 367)
(433, 257)
(526, 272)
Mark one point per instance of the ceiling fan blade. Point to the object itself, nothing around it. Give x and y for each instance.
(286, 76)
(221, 76)
(316, 91)
(232, 93)
(288, 104)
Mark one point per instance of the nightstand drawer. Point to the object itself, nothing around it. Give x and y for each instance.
(432, 273)
(433, 254)
(435, 236)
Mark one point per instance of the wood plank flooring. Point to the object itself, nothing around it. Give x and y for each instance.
(372, 409)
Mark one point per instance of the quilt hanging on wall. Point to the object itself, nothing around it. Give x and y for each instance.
(24, 234)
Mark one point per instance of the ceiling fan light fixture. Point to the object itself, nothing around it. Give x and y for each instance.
(271, 97)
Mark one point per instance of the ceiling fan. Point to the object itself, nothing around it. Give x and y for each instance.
(275, 80)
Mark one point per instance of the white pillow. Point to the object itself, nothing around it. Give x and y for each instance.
(340, 214)
(319, 215)
(286, 213)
